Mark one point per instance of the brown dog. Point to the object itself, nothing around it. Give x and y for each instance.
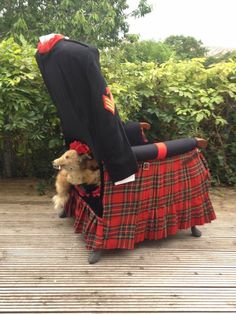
(74, 169)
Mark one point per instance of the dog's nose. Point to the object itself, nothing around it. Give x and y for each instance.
(55, 166)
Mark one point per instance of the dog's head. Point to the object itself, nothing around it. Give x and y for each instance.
(83, 164)
(70, 160)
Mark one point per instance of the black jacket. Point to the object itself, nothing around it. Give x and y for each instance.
(71, 72)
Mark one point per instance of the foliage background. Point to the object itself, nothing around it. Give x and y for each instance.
(102, 22)
(171, 84)
(179, 98)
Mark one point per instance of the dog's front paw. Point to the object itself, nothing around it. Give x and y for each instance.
(59, 203)
(62, 213)
(56, 202)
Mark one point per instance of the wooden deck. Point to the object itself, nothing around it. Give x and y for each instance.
(44, 269)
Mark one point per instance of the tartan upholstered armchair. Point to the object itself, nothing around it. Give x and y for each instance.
(170, 192)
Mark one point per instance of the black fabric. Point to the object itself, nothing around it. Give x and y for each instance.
(174, 147)
(134, 133)
(95, 203)
(180, 146)
(145, 152)
(71, 72)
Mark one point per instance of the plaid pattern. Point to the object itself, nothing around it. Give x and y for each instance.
(166, 196)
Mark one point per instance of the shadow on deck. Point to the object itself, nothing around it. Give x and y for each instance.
(44, 269)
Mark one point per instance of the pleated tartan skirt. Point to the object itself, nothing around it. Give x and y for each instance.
(165, 197)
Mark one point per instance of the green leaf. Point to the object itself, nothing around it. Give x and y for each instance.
(200, 116)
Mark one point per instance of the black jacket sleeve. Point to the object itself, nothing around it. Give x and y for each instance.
(107, 127)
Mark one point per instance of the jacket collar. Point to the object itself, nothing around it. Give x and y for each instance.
(46, 46)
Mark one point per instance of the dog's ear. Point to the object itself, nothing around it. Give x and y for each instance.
(83, 161)
(90, 164)
(84, 157)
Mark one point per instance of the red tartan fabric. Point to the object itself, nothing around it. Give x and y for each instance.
(166, 196)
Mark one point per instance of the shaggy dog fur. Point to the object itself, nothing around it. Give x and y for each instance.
(74, 169)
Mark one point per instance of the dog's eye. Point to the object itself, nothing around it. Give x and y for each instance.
(67, 157)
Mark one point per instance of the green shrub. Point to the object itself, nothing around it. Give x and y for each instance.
(28, 120)
(141, 51)
(179, 99)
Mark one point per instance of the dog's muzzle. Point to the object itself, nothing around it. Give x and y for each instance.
(55, 166)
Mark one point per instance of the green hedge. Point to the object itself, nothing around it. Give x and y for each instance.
(28, 120)
(178, 98)
(182, 99)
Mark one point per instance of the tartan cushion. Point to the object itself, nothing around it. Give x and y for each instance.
(166, 196)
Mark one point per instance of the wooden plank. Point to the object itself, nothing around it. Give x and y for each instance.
(77, 255)
(99, 299)
(180, 240)
(32, 227)
(120, 299)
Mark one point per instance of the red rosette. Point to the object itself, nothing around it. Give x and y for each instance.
(80, 147)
